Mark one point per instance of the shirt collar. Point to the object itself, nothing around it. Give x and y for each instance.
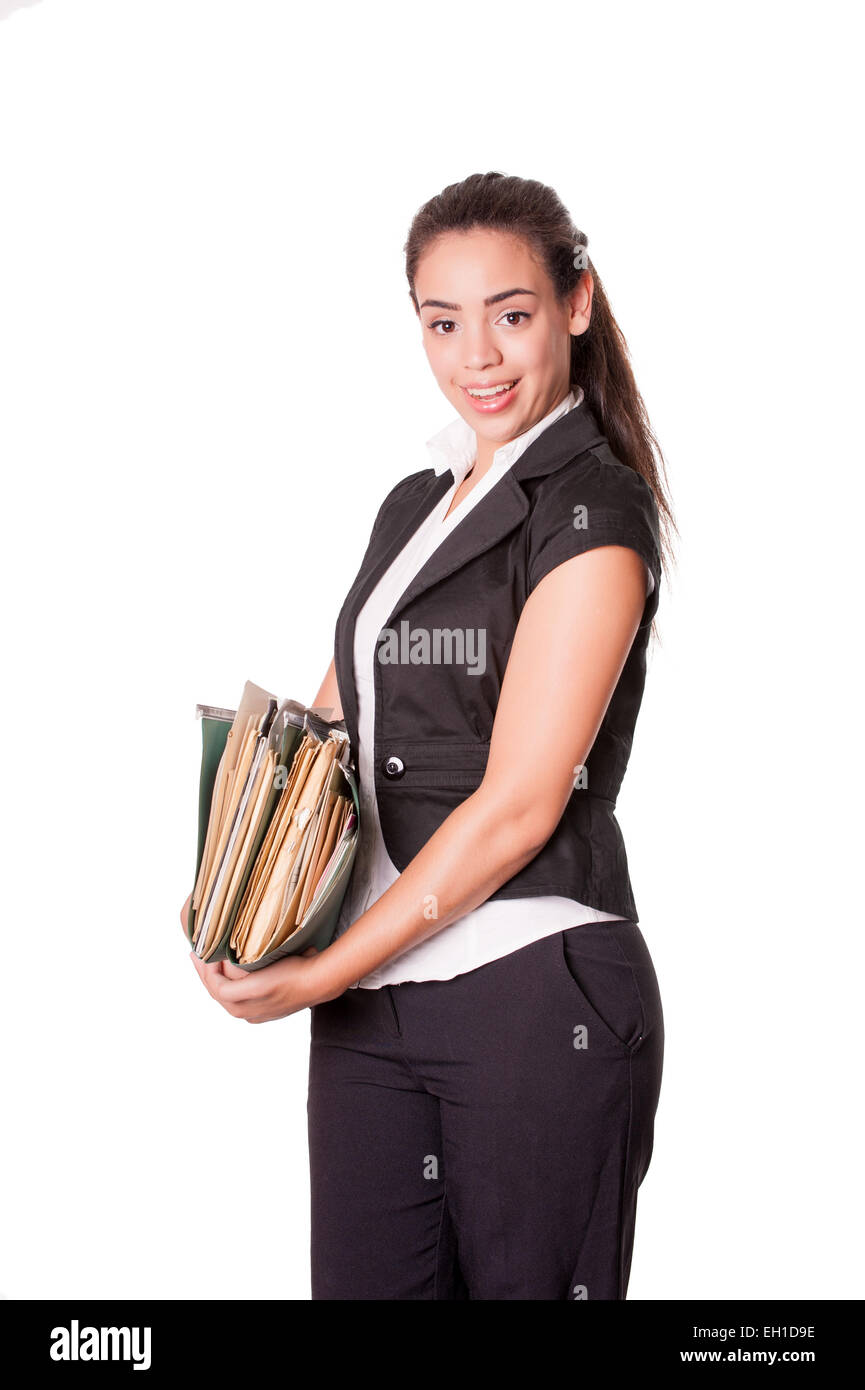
(455, 446)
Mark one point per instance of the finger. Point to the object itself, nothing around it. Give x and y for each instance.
(232, 971)
(234, 991)
(206, 968)
(209, 973)
(237, 991)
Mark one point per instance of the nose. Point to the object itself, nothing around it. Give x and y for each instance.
(481, 351)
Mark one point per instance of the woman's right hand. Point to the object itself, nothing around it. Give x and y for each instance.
(184, 916)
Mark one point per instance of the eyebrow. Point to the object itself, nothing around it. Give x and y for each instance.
(493, 299)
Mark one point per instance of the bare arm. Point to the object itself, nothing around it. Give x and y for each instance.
(571, 643)
(572, 640)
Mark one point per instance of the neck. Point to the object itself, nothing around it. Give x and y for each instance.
(485, 449)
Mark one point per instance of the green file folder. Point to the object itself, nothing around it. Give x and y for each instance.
(320, 918)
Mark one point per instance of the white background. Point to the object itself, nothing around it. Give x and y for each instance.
(211, 376)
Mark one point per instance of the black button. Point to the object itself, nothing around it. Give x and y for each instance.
(393, 766)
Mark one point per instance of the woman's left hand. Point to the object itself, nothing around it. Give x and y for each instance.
(260, 996)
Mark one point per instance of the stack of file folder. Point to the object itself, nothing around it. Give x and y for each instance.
(278, 826)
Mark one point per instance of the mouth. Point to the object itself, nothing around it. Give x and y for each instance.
(494, 397)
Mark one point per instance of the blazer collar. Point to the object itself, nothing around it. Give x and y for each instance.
(500, 509)
(455, 447)
(566, 437)
(497, 513)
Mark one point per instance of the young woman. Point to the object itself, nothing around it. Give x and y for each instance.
(486, 1027)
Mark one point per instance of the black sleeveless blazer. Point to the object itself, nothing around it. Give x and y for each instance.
(443, 652)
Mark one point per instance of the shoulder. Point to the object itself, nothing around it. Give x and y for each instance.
(593, 500)
(406, 492)
(597, 478)
(413, 484)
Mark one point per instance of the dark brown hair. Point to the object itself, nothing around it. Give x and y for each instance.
(600, 361)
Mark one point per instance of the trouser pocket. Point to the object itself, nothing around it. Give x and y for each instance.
(611, 971)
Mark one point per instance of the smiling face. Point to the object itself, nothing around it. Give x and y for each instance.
(489, 319)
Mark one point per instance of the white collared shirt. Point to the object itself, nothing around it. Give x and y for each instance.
(495, 928)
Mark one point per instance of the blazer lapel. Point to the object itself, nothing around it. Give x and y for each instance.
(363, 586)
(506, 504)
(504, 507)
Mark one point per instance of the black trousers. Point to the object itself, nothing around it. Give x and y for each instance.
(484, 1137)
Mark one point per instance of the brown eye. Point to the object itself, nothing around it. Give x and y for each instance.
(437, 323)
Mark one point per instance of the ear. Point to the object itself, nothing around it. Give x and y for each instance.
(580, 301)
